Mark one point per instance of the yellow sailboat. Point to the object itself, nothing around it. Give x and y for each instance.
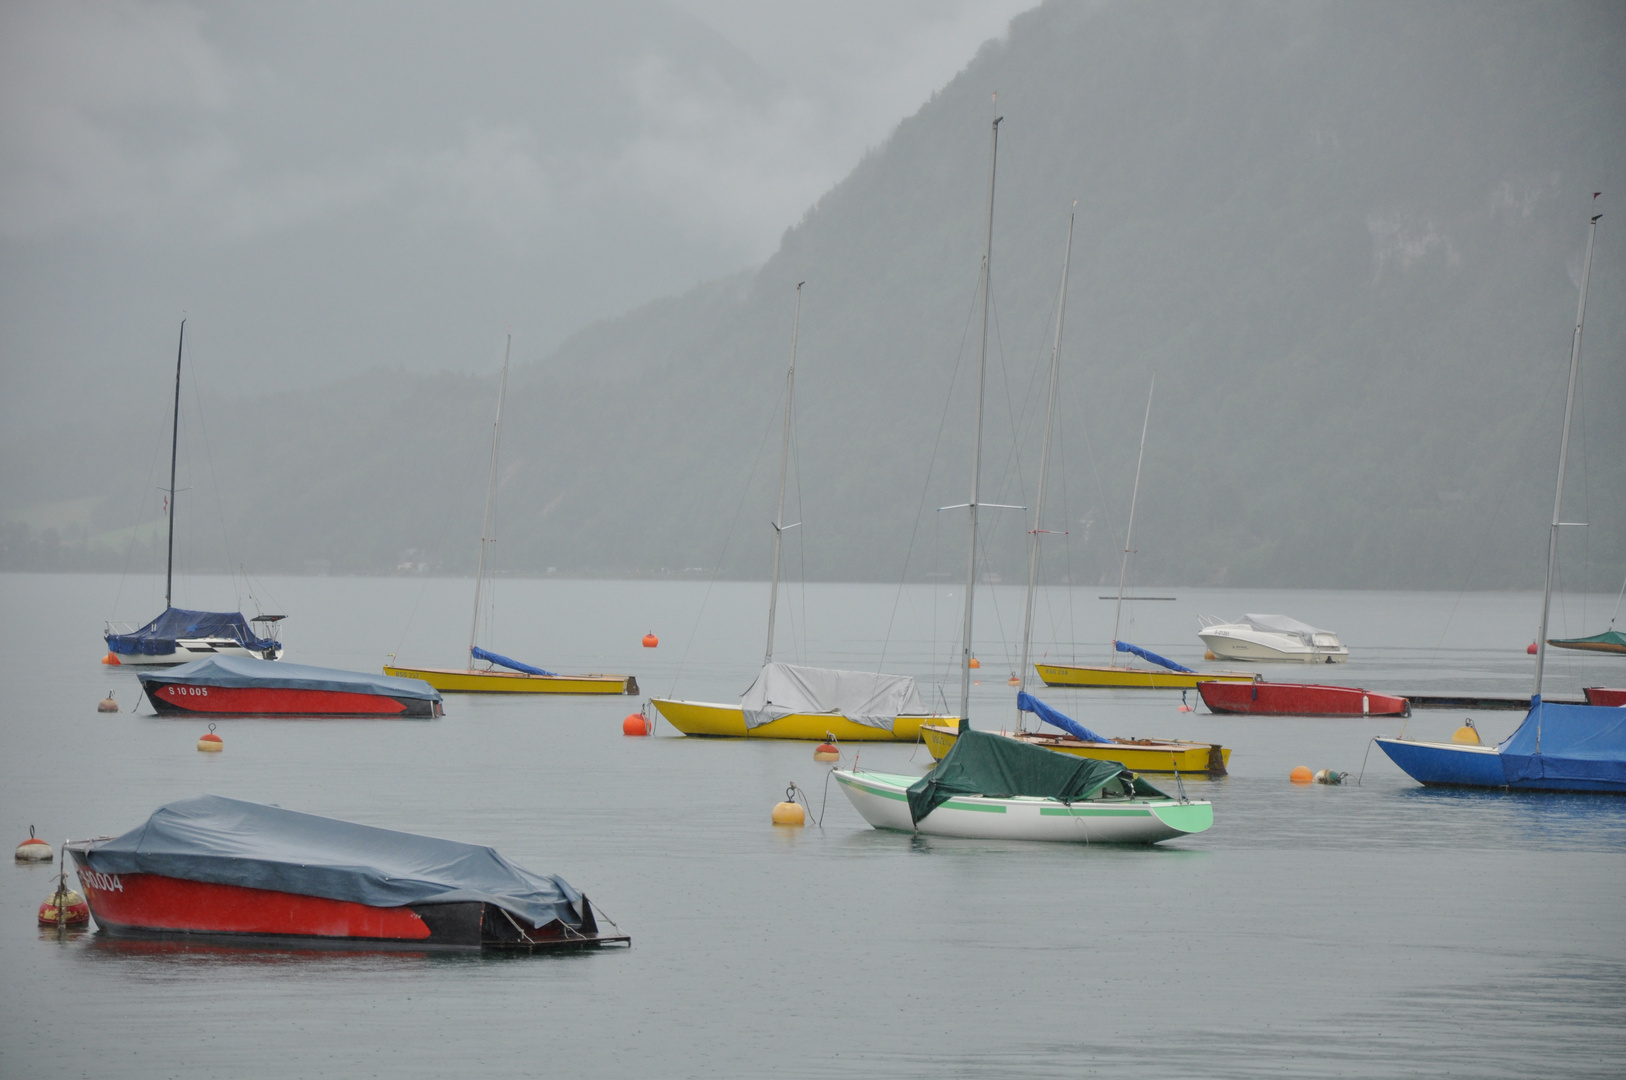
(1141, 755)
(519, 678)
(1128, 678)
(792, 702)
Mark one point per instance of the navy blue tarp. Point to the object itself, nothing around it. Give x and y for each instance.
(228, 842)
(247, 671)
(1148, 654)
(497, 658)
(1582, 744)
(159, 636)
(1028, 703)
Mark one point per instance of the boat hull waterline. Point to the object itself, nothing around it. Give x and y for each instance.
(454, 681)
(152, 905)
(882, 800)
(711, 720)
(1139, 755)
(1125, 678)
(1299, 699)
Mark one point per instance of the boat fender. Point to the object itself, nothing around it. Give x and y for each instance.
(33, 849)
(211, 743)
(636, 724)
(827, 750)
(107, 704)
(1330, 776)
(1301, 775)
(1467, 734)
(111, 659)
(789, 812)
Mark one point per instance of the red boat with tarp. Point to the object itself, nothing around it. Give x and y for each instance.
(1604, 695)
(244, 686)
(1260, 698)
(212, 868)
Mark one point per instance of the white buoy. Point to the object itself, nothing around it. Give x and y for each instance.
(107, 704)
(34, 849)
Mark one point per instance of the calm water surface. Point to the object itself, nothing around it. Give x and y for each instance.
(1352, 931)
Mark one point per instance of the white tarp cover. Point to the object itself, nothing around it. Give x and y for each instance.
(864, 697)
(1281, 624)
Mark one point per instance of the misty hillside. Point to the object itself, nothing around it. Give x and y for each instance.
(1346, 238)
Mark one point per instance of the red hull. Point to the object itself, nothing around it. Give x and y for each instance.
(1298, 699)
(173, 698)
(1604, 695)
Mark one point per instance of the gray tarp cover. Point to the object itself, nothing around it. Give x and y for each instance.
(1281, 624)
(228, 842)
(864, 697)
(247, 671)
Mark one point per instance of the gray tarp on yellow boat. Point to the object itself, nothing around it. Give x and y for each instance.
(864, 697)
(982, 764)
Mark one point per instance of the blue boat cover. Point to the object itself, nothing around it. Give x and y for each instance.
(1028, 703)
(248, 671)
(229, 842)
(497, 658)
(1148, 654)
(1581, 744)
(159, 636)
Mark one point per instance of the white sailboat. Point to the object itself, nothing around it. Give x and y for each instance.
(990, 787)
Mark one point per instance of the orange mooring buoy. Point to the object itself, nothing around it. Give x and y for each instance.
(650, 640)
(110, 659)
(1301, 775)
(211, 743)
(975, 663)
(636, 724)
(827, 751)
(1013, 680)
(1531, 649)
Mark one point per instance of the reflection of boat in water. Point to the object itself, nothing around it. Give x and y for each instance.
(1261, 698)
(242, 686)
(519, 678)
(216, 868)
(177, 635)
(789, 701)
(1271, 638)
(1557, 747)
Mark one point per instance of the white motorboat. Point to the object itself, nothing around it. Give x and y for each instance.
(1271, 637)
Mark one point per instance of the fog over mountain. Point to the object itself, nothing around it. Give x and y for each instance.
(1347, 238)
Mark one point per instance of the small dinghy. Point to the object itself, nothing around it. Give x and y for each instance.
(244, 686)
(1260, 698)
(990, 787)
(216, 868)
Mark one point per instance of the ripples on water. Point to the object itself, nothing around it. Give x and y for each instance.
(1322, 931)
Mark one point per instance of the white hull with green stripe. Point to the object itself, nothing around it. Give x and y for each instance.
(882, 799)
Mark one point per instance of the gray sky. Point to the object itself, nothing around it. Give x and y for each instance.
(327, 188)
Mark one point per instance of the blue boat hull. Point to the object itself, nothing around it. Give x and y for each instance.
(1446, 764)
(1583, 749)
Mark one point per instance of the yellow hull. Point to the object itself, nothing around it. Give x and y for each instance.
(728, 722)
(1140, 755)
(1133, 678)
(449, 681)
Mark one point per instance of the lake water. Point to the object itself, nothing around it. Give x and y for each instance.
(1314, 931)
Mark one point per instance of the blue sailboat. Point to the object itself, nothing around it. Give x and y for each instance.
(1557, 747)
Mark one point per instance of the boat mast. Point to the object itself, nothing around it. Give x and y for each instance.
(779, 525)
(1044, 459)
(1563, 457)
(491, 487)
(174, 443)
(976, 453)
(1123, 565)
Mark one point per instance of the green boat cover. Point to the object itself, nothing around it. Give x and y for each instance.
(1608, 641)
(983, 764)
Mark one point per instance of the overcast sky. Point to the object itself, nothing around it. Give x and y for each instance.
(326, 188)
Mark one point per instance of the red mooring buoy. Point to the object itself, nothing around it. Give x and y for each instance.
(1532, 650)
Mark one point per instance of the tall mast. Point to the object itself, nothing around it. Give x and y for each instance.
(976, 453)
(1123, 565)
(779, 525)
(174, 443)
(491, 487)
(1044, 457)
(1563, 458)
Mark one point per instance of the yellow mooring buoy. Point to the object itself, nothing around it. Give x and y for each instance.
(790, 811)
(211, 743)
(1467, 734)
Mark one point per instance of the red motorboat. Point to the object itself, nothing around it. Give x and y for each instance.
(245, 686)
(1604, 695)
(212, 868)
(1260, 698)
